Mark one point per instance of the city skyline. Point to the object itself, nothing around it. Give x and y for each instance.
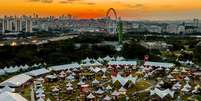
(127, 9)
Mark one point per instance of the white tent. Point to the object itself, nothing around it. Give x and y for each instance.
(96, 70)
(170, 76)
(86, 60)
(51, 76)
(48, 99)
(81, 83)
(16, 81)
(7, 89)
(104, 69)
(108, 87)
(186, 88)
(39, 90)
(107, 58)
(70, 77)
(62, 74)
(69, 84)
(40, 99)
(90, 96)
(107, 98)
(162, 93)
(100, 59)
(124, 80)
(2, 72)
(64, 67)
(120, 58)
(133, 63)
(24, 67)
(187, 78)
(99, 91)
(120, 79)
(196, 89)
(104, 76)
(115, 93)
(122, 89)
(176, 86)
(96, 63)
(95, 81)
(69, 88)
(8, 96)
(40, 95)
(38, 72)
(11, 69)
(159, 64)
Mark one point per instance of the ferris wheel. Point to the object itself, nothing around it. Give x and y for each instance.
(111, 21)
(114, 24)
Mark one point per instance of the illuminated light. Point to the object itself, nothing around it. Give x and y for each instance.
(34, 41)
(1, 44)
(13, 44)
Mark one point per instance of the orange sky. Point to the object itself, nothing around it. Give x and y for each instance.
(127, 9)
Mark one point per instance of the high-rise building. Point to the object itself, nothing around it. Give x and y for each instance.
(18, 25)
(3, 26)
(7, 25)
(172, 28)
(196, 22)
(181, 29)
(28, 25)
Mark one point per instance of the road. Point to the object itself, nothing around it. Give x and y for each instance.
(32, 94)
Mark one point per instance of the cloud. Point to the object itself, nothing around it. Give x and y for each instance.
(43, 1)
(47, 1)
(90, 3)
(129, 5)
(34, 0)
(77, 2)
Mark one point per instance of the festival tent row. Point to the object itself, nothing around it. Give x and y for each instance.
(11, 69)
(8, 96)
(186, 62)
(64, 67)
(97, 69)
(118, 58)
(16, 81)
(89, 64)
(159, 64)
(124, 80)
(162, 93)
(125, 63)
(38, 72)
(107, 58)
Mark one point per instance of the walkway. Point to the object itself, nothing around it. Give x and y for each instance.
(32, 94)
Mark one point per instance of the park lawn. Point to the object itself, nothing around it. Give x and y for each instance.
(141, 85)
(26, 93)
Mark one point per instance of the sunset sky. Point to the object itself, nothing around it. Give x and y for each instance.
(127, 9)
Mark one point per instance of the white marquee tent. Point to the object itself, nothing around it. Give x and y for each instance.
(16, 81)
(159, 64)
(8, 96)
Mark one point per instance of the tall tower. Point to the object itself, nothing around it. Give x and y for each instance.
(120, 30)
